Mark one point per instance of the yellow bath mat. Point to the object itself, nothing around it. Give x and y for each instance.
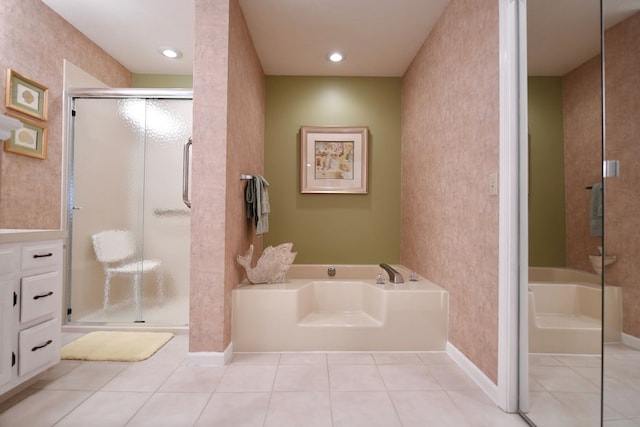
(115, 346)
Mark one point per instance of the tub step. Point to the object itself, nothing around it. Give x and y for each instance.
(339, 319)
(560, 321)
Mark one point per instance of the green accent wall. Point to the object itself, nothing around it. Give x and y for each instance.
(547, 236)
(334, 228)
(182, 81)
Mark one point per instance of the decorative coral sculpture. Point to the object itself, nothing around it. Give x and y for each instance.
(272, 265)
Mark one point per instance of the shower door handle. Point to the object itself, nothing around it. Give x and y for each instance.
(186, 162)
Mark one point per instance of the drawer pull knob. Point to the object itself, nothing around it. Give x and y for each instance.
(43, 256)
(48, 294)
(38, 347)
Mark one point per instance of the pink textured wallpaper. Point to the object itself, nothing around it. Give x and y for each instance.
(245, 152)
(34, 41)
(582, 100)
(228, 140)
(583, 112)
(450, 146)
(622, 203)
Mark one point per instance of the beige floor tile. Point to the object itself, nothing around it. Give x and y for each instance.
(105, 409)
(42, 409)
(480, 411)
(302, 378)
(436, 358)
(408, 377)
(247, 378)
(427, 408)
(363, 409)
(579, 360)
(452, 377)
(584, 406)
(355, 378)
(303, 358)
(558, 378)
(256, 359)
(397, 358)
(56, 372)
(140, 377)
(235, 409)
(350, 358)
(593, 375)
(622, 398)
(543, 360)
(170, 410)
(308, 409)
(87, 376)
(545, 410)
(193, 379)
(620, 423)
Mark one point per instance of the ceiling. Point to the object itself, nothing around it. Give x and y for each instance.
(293, 37)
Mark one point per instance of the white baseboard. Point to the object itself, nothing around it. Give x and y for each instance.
(631, 341)
(210, 358)
(474, 372)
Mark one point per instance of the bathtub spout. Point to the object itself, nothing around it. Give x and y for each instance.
(394, 275)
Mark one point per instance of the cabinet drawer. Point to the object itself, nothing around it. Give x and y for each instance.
(39, 296)
(41, 255)
(38, 346)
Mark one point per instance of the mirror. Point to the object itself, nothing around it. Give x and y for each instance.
(565, 154)
(621, 367)
(567, 220)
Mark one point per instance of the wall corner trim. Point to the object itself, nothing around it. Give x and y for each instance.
(474, 372)
(210, 358)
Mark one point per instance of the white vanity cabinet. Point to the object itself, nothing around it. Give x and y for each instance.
(30, 308)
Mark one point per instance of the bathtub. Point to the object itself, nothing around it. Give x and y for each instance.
(313, 311)
(565, 311)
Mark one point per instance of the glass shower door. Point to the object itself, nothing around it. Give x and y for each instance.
(129, 246)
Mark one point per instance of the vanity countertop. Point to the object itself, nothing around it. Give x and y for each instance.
(14, 235)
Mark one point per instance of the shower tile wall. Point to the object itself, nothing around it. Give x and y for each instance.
(450, 143)
(34, 41)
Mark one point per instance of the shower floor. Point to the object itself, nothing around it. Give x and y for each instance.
(173, 311)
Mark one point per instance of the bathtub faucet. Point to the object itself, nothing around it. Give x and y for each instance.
(394, 275)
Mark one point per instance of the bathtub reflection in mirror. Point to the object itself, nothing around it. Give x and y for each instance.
(565, 293)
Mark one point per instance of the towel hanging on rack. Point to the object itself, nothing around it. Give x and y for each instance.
(257, 200)
(595, 210)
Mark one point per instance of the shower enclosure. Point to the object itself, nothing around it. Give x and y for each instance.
(128, 249)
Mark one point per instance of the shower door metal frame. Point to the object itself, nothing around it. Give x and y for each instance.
(97, 93)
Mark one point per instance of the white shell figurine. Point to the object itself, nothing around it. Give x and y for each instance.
(272, 265)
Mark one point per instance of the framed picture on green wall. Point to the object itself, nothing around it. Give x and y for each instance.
(333, 159)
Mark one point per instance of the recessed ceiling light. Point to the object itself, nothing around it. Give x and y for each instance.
(170, 52)
(335, 57)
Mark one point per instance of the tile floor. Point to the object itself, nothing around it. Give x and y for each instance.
(270, 389)
(565, 389)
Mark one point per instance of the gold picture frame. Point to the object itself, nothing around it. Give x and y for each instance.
(30, 140)
(334, 159)
(26, 96)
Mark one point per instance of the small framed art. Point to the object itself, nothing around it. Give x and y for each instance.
(26, 96)
(30, 140)
(334, 159)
